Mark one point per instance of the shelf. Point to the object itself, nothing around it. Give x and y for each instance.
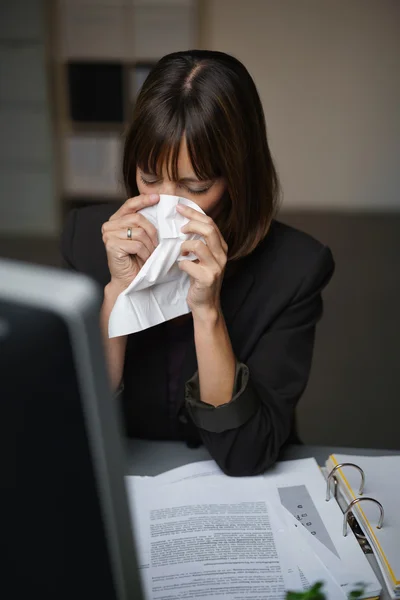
(103, 84)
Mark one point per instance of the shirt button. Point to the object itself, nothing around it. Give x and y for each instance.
(182, 419)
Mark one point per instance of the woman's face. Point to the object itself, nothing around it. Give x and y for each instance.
(206, 194)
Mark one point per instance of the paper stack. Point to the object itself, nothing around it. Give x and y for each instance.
(201, 534)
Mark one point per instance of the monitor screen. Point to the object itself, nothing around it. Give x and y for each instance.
(65, 520)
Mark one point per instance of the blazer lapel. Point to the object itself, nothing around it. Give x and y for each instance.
(235, 290)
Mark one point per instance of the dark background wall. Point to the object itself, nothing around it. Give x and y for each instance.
(353, 397)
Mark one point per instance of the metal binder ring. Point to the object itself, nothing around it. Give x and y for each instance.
(336, 483)
(328, 480)
(349, 510)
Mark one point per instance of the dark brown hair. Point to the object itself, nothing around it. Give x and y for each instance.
(210, 98)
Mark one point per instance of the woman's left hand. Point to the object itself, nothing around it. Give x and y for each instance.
(207, 272)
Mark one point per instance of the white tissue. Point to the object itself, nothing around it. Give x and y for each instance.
(159, 291)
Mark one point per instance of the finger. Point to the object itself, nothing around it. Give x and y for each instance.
(137, 235)
(202, 252)
(132, 205)
(121, 248)
(203, 275)
(195, 215)
(211, 236)
(192, 213)
(133, 221)
(191, 268)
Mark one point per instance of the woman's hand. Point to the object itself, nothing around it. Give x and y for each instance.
(207, 272)
(127, 254)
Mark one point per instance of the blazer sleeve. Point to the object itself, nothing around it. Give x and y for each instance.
(245, 436)
(81, 243)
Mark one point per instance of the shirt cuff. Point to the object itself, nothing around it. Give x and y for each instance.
(227, 416)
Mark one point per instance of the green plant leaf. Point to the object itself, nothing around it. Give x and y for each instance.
(356, 594)
(315, 593)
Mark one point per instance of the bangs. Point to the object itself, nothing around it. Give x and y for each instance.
(158, 146)
(208, 101)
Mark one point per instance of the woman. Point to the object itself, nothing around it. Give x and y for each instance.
(230, 374)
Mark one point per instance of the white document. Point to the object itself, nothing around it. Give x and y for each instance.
(202, 468)
(159, 291)
(214, 538)
(308, 559)
(339, 572)
(212, 542)
(301, 488)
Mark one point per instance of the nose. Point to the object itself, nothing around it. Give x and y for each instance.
(168, 187)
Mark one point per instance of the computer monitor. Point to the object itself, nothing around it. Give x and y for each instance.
(65, 527)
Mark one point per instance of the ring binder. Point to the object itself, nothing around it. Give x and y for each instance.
(349, 510)
(352, 521)
(331, 474)
(362, 539)
(382, 479)
(336, 484)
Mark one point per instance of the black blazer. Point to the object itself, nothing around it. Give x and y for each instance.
(271, 303)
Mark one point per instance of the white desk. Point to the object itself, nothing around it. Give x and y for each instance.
(151, 458)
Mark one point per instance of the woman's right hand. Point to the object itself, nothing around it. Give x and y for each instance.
(126, 256)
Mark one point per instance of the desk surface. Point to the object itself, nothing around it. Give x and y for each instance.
(151, 458)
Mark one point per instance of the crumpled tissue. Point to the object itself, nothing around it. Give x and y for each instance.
(159, 291)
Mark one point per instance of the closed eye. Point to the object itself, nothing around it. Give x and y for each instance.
(204, 190)
(149, 181)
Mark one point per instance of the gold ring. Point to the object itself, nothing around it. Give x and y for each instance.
(129, 233)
